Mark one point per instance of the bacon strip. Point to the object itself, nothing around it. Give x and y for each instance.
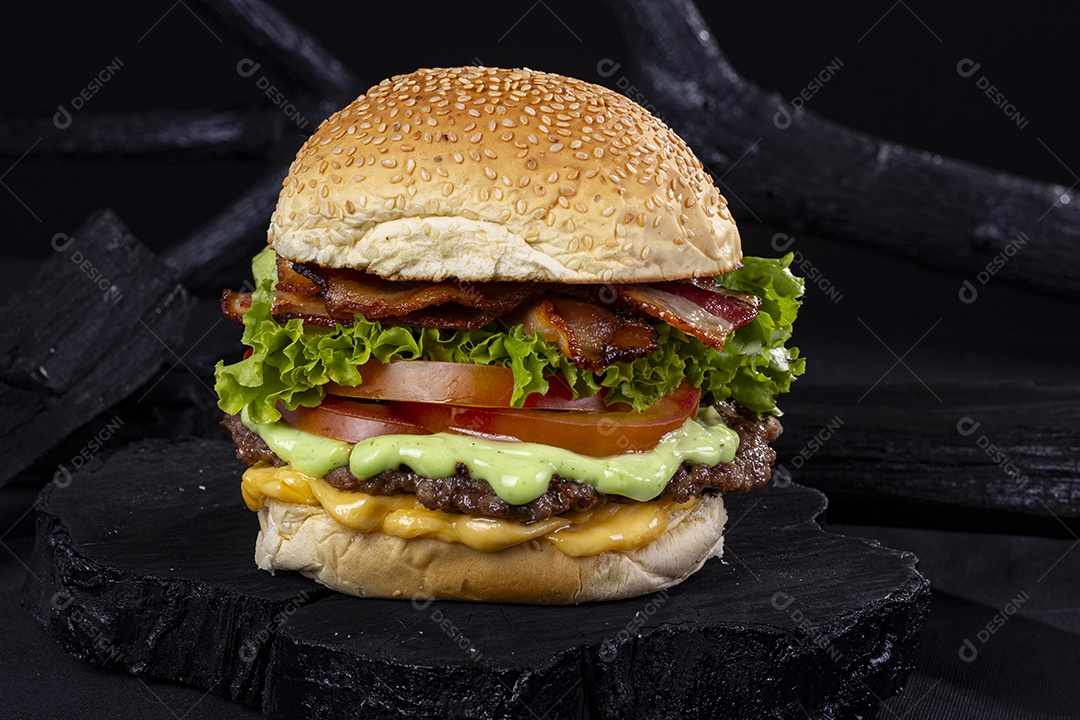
(235, 304)
(594, 326)
(593, 337)
(291, 281)
(288, 305)
(709, 313)
(349, 291)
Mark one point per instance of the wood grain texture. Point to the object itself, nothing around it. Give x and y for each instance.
(807, 174)
(138, 567)
(997, 457)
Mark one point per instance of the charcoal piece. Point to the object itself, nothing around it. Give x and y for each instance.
(88, 297)
(990, 457)
(84, 332)
(193, 134)
(289, 46)
(237, 232)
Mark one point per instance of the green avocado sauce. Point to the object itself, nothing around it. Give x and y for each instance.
(517, 472)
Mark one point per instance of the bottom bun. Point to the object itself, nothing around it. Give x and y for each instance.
(307, 539)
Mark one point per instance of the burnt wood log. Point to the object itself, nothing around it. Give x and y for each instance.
(143, 562)
(189, 134)
(233, 234)
(991, 457)
(800, 171)
(87, 330)
(289, 46)
(102, 315)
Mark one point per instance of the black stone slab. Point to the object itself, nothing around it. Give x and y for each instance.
(143, 562)
(793, 621)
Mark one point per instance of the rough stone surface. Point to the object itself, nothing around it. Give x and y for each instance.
(138, 568)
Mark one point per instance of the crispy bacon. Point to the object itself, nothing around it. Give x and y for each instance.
(234, 304)
(446, 316)
(350, 291)
(708, 312)
(291, 281)
(590, 335)
(593, 325)
(288, 305)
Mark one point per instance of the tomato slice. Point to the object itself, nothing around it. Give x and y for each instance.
(350, 421)
(598, 434)
(450, 383)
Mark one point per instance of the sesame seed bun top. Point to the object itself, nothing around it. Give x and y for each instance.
(489, 174)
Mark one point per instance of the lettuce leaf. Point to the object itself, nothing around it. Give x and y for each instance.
(290, 363)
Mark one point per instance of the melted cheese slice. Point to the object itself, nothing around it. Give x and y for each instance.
(612, 526)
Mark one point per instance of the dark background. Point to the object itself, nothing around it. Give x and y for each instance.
(898, 80)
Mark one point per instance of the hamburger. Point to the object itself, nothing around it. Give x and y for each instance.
(502, 346)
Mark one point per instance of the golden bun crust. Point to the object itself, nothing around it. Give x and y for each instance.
(307, 539)
(486, 174)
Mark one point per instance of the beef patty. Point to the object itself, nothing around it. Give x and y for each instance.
(461, 493)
